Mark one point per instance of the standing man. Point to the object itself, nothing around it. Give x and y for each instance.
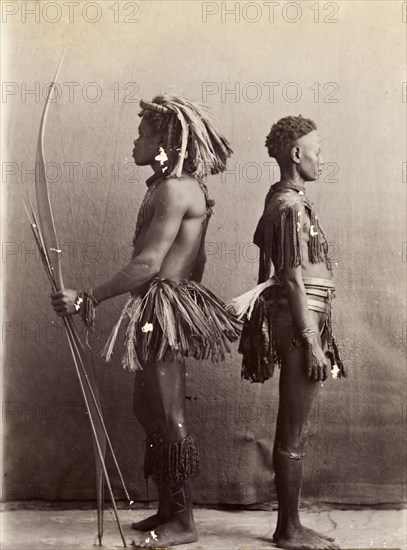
(170, 315)
(288, 316)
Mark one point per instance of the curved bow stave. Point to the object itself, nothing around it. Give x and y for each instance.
(43, 227)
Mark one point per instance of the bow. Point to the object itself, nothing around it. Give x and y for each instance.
(43, 228)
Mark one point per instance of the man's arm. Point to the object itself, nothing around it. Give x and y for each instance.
(170, 206)
(316, 361)
(169, 209)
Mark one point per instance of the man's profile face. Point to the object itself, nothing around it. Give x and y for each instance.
(311, 161)
(146, 146)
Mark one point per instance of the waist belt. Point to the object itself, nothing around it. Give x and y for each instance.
(321, 288)
(313, 305)
(314, 282)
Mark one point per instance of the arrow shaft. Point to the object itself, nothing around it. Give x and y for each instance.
(47, 242)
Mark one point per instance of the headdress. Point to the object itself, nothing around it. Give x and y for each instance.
(189, 138)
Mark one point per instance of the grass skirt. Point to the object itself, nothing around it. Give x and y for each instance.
(174, 319)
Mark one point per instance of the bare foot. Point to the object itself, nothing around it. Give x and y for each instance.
(174, 532)
(304, 539)
(151, 522)
(321, 535)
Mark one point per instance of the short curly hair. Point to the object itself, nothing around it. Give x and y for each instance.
(285, 132)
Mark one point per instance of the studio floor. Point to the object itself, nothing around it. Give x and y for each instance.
(221, 530)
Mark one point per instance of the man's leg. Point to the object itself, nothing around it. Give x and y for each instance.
(171, 454)
(297, 398)
(141, 404)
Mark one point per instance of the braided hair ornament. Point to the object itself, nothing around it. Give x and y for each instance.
(190, 140)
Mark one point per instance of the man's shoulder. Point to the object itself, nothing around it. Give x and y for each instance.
(170, 186)
(178, 191)
(280, 202)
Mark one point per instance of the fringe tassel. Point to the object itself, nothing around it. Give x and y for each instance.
(292, 218)
(325, 249)
(257, 345)
(182, 319)
(243, 305)
(314, 240)
(130, 360)
(332, 346)
(85, 304)
(107, 351)
(279, 242)
(318, 245)
(337, 359)
(171, 463)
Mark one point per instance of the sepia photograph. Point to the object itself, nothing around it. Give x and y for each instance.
(203, 277)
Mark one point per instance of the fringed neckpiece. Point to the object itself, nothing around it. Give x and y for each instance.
(278, 233)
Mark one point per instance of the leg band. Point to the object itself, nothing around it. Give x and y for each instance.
(179, 501)
(171, 463)
(288, 454)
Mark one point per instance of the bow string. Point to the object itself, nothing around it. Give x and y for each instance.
(45, 235)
